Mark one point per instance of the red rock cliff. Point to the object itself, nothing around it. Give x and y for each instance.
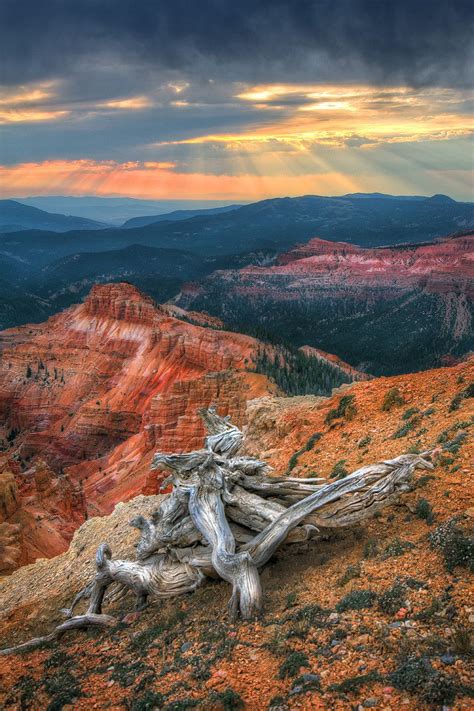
(94, 392)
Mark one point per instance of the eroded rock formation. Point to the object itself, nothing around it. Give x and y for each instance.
(386, 310)
(94, 391)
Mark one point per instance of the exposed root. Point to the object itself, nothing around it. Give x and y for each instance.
(225, 518)
(75, 623)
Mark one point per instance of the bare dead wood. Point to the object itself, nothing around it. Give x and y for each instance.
(226, 517)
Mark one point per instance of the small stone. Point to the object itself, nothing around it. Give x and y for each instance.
(333, 617)
(310, 678)
(186, 646)
(388, 690)
(447, 659)
(296, 690)
(395, 625)
(370, 702)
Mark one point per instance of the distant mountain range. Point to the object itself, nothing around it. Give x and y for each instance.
(42, 271)
(114, 210)
(14, 216)
(176, 216)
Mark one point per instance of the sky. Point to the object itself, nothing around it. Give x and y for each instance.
(236, 100)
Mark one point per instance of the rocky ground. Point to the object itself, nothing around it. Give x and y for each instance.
(377, 617)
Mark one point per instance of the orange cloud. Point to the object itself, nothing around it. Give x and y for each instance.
(30, 115)
(334, 115)
(157, 180)
(132, 103)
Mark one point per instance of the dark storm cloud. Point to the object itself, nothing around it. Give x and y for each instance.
(412, 41)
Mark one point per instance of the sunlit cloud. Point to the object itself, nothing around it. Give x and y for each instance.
(370, 115)
(227, 140)
(156, 180)
(31, 94)
(12, 116)
(132, 103)
(30, 104)
(164, 180)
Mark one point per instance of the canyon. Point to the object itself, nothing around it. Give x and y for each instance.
(87, 397)
(384, 310)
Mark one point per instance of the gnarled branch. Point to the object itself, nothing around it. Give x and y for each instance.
(225, 518)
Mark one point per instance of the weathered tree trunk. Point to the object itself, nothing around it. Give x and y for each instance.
(226, 517)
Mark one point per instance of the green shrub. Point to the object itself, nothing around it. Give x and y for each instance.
(404, 429)
(346, 408)
(181, 705)
(424, 510)
(306, 618)
(305, 684)
(357, 600)
(396, 548)
(371, 548)
(147, 637)
(307, 447)
(277, 644)
(439, 690)
(456, 547)
(27, 688)
(339, 470)
(149, 701)
(393, 398)
(417, 676)
(351, 572)
(229, 699)
(354, 683)
(126, 673)
(429, 612)
(412, 674)
(63, 689)
(462, 641)
(392, 599)
(423, 481)
(410, 412)
(414, 583)
(455, 444)
(364, 441)
(293, 664)
(460, 396)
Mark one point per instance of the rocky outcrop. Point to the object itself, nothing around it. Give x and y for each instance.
(186, 651)
(10, 533)
(94, 391)
(383, 310)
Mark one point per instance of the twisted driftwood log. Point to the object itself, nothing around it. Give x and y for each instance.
(225, 518)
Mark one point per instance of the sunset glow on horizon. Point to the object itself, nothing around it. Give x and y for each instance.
(177, 122)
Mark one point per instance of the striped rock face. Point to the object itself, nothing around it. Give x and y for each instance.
(89, 395)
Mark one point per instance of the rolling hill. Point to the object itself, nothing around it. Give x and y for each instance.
(14, 217)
